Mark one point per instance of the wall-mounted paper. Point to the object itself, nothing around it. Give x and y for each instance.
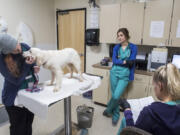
(178, 30)
(94, 17)
(157, 29)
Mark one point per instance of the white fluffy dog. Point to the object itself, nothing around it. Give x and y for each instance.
(55, 61)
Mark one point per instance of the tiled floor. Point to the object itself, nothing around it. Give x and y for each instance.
(101, 125)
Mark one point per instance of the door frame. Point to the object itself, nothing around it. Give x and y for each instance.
(67, 10)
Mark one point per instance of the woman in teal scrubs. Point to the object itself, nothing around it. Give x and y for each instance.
(124, 55)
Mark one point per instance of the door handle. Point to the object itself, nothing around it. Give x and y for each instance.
(166, 42)
(81, 54)
(146, 90)
(138, 79)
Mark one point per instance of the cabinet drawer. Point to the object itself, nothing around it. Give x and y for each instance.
(141, 78)
(150, 80)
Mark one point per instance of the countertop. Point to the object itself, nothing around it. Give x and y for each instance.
(142, 72)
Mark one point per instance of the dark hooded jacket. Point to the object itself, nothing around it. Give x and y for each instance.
(13, 84)
(157, 118)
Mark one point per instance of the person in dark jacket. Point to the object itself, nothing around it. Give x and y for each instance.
(18, 74)
(124, 56)
(163, 117)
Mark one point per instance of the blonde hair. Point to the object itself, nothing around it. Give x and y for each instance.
(169, 76)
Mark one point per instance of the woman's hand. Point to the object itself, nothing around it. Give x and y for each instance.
(36, 69)
(124, 104)
(30, 60)
(124, 62)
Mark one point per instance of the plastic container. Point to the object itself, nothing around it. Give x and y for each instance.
(88, 95)
(85, 116)
(84, 131)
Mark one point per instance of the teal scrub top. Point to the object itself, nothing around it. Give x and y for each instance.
(122, 72)
(30, 78)
(173, 102)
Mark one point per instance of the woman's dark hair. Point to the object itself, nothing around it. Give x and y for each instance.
(125, 32)
(14, 63)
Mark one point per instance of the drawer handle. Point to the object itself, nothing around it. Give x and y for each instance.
(138, 79)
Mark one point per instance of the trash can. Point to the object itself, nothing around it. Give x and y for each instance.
(85, 116)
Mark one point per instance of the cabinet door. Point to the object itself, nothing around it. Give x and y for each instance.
(139, 87)
(157, 13)
(151, 89)
(175, 28)
(137, 90)
(109, 23)
(132, 16)
(152, 93)
(101, 94)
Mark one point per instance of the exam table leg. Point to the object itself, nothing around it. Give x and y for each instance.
(67, 116)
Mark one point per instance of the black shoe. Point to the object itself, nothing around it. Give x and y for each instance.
(105, 113)
(123, 104)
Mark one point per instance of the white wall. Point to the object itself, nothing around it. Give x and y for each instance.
(39, 15)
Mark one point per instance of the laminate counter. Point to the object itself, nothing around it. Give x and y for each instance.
(142, 72)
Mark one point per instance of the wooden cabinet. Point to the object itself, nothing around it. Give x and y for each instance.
(115, 16)
(139, 88)
(174, 40)
(143, 20)
(132, 16)
(157, 12)
(151, 89)
(102, 93)
(109, 23)
(151, 92)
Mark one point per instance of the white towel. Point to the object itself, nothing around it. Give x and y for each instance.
(38, 102)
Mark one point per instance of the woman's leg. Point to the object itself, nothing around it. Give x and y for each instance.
(30, 118)
(19, 121)
(122, 84)
(122, 125)
(114, 81)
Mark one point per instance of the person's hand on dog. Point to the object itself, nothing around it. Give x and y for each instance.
(36, 69)
(124, 104)
(30, 60)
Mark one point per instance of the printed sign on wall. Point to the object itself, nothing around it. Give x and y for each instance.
(178, 30)
(157, 29)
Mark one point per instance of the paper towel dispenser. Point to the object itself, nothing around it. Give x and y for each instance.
(92, 37)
